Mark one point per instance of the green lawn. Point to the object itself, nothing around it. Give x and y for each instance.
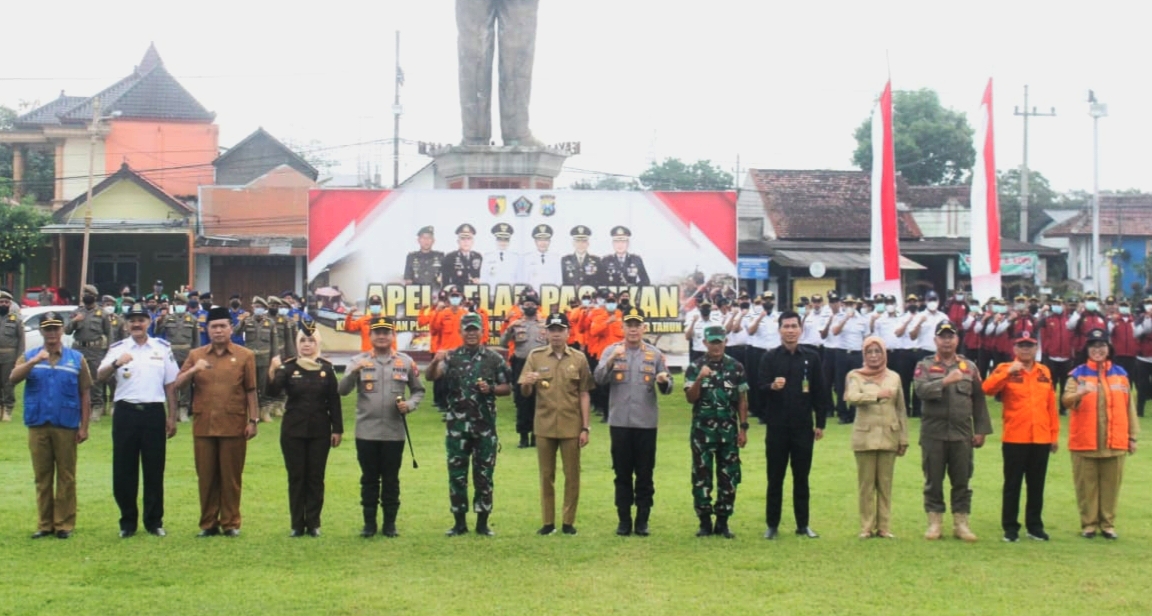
(596, 572)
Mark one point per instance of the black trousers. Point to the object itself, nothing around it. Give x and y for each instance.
(1128, 364)
(139, 443)
(1024, 462)
(915, 356)
(752, 357)
(904, 364)
(306, 460)
(440, 393)
(633, 459)
(828, 365)
(525, 406)
(1059, 370)
(1143, 385)
(786, 445)
(694, 355)
(846, 361)
(983, 361)
(379, 473)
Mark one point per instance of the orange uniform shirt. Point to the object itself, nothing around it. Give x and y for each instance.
(1029, 401)
(363, 325)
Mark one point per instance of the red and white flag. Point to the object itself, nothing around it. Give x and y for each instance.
(885, 233)
(985, 208)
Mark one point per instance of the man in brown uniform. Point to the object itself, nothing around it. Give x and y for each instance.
(955, 421)
(11, 349)
(224, 418)
(560, 379)
(260, 337)
(91, 333)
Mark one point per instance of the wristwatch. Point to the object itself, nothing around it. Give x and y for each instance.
(744, 425)
(586, 429)
(253, 421)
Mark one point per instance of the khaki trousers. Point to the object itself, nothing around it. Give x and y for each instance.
(1097, 489)
(570, 456)
(874, 471)
(54, 462)
(219, 467)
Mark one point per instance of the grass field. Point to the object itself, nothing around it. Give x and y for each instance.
(595, 572)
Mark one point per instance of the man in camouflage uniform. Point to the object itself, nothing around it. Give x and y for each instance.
(423, 266)
(182, 331)
(717, 389)
(286, 333)
(522, 336)
(475, 375)
(259, 331)
(11, 348)
(90, 333)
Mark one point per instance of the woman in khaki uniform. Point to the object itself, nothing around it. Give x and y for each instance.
(879, 436)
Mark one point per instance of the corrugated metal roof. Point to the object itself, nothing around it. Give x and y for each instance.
(834, 260)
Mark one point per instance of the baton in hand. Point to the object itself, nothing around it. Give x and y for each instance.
(407, 434)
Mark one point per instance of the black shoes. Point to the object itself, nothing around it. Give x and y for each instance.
(460, 528)
(807, 532)
(1088, 534)
(547, 529)
(1011, 536)
(624, 528)
(721, 528)
(125, 534)
(705, 529)
(64, 534)
(1107, 534)
(158, 532)
(209, 532)
(296, 533)
(40, 534)
(568, 529)
(771, 533)
(482, 525)
(523, 441)
(232, 532)
(1038, 534)
(313, 532)
(390, 531)
(368, 531)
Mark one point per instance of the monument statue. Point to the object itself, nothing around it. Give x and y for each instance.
(476, 22)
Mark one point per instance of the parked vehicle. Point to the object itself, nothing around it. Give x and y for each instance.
(32, 296)
(31, 317)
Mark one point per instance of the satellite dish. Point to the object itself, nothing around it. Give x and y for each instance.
(817, 269)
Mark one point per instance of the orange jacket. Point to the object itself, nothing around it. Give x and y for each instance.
(1113, 383)
(602, 333)
(1029, 401)
(576, 333)
(362, 325)
(446, 325)
(485, 326)
(514, 313)
(424, 319)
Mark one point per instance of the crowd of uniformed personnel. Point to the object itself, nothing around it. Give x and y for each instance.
(786, 367)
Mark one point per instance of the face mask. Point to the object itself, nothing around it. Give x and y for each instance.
(4, 310)
(1019, 307)
(1001, 309)
(193, 306)
(181, 309)
(891, 308)
(455, 300)
(260, 311)
(282, 311)
(705, 312)
(89, 300)
(801, 311)
(745, 306)
(530, 312)
(1147, 307)
(933, 305)
(974, 307)
(611, 306)
(880, 307)
(1125, 310)
(585, 302)
(959, 298)
(599, 301)
(1057, 310)
(865, 310)
(624, 303)
(768, 307)
(1091, 306)
(235, 304)
(374, 309)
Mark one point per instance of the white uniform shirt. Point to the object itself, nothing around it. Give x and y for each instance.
(906, 320)
(740, 336)
(854, 331)
(767, 334)
(540, 268)
(927, 339)
(833, 340)
(142, 380)
(698, 330)
(885, 329)
(501, 267)
(811, 325)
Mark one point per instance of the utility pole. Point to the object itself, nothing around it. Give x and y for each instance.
(1097, 110)
(396, 111)
(88, 201)
(1024, 168)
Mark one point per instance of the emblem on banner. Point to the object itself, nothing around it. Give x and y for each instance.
(522, 207)
(497, 204)
(547, 204)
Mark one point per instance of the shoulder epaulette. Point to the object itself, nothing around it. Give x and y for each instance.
(118, 343)
(541, 349)
(160, 340)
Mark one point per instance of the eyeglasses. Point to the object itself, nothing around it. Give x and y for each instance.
(873, 352)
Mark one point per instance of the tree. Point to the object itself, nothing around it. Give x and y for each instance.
(606, 182)
(39, 165)
(933, 144)
(1041, 197)
(674, 174)
(20, 235)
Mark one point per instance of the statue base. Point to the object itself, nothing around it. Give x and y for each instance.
(497, 167)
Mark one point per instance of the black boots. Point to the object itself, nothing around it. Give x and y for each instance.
(641, 527)
(721, 527)
(461, 527)
(482, 524)
(523, 441)
(625, 527)
(390, 523)
(369, 529)
(705, 526)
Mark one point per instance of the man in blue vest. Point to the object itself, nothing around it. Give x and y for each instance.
(57, 405)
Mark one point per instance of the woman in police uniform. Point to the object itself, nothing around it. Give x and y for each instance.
(313, 424)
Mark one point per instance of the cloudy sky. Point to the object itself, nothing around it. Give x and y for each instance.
(779, 85)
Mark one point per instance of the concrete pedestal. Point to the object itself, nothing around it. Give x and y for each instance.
(498, 167)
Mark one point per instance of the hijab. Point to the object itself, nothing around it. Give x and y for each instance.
(877, 373)
(306, 362)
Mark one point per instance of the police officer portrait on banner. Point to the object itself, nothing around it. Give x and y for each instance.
(462, 266)
(581, 268)
(623, 267)
(423, 266)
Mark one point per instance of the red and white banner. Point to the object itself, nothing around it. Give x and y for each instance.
(408, 245)
(985, 208)
(885, 234)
